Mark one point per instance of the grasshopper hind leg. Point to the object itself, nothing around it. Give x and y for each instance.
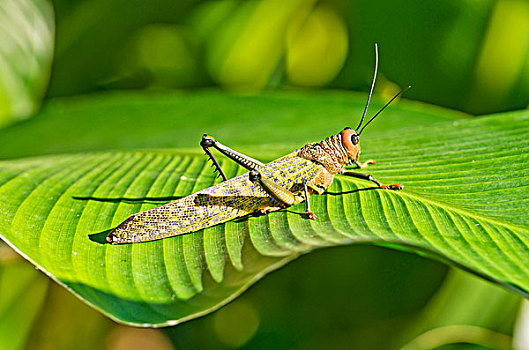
(282, 196)
(268, 210)
(206, 143)
(241, 159)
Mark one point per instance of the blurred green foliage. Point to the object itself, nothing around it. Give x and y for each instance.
(463, 54)
(458, 54)
(26, 48)
(22, 295)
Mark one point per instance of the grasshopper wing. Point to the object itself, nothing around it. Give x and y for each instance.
(223, 202)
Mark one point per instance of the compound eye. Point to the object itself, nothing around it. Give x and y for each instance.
(354, 139)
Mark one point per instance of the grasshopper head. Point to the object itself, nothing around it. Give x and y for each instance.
(351, 143)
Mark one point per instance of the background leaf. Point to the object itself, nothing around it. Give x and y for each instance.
(90, 36)
(472, 62)
(453, 204)
(270, 123)
(456, 315)
(22, 293)
(26, 49)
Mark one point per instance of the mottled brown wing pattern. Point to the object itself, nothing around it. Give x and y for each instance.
(225, 201)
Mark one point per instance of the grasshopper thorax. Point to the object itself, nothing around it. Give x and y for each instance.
(335, 151)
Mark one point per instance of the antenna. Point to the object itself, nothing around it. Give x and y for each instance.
(372, 87)
(387, 104)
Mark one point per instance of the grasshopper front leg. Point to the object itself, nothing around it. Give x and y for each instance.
(368, 177)
(364, 164)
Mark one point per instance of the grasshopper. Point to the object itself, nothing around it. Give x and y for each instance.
(281, 183)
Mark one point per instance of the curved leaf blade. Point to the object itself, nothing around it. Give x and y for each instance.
(463, 200)
(125, 120)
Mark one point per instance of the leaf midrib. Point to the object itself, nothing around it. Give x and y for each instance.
(447, 207)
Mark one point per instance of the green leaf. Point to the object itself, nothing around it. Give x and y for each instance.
(89, 36)
(464, 200)
(22, 294)
(465, 302)
(271, 123)
(26, 51)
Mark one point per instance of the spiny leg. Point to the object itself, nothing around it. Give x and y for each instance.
(281, 195)
(310, 214)
(241, 159)
(205, 143)
(368, 177)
